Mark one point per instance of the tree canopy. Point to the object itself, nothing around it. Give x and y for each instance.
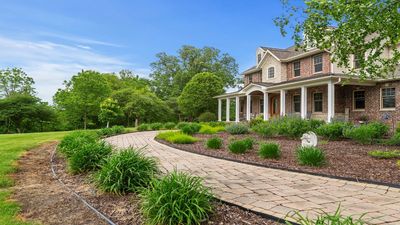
(197, 96)
(170, 73)
(15, 81)
(109, 111)
(363, 28)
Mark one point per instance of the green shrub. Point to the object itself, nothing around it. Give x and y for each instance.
(191, 128)
(176, 137)
(216, 124)
(182, 124)
(128, 170)
(367, 134)
(293, 127)
(143, 127)
(257, 120)
(269, 150)
(237, 128)
(169, 125)
(156, 126)
(384, 154)
(72, 141)
(249, 142)
(310, 156)
(89, 156)
(214, 143)
(266, 129)
(177, 198)
(237, 147)
(111, 131)
(206, 129)
(333, 131)
(394, 140)
(207, 117)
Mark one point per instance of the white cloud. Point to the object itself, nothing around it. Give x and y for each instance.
(51, 63)
(80, 40)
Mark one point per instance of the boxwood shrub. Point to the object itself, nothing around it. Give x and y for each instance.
(310, 156)
(214, 143)
(269, 151)
(237, 128)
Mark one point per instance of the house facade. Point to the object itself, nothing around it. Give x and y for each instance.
(309, 85)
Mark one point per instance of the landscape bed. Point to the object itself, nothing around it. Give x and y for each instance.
(345, 158)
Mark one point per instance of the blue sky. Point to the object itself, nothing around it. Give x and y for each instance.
(53, 40)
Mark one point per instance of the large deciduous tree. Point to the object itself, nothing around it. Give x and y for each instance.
(109, 111)
(82, 96)
(170, 73)
(197, 96)
(363, 28)
(15, 81)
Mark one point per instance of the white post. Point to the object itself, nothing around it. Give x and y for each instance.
(283, 102)
(248, 107)
(331, 101)
(303, 104)
(237, 106)
(266, 106)
(219, 110)
(228, 107)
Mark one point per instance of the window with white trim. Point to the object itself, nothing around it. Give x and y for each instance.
(317, 102)
(388, 98)
(359, 100)
(296, 103)
(296, 69)
(258, 58)
(356, 62)
(271, 72)
(317, 63)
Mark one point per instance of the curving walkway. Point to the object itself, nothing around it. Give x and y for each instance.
(271, 191)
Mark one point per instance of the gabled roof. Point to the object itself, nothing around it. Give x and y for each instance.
(251, 70)
(284, 53)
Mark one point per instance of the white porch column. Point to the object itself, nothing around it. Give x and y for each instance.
(303, 103)
(237, 107)
(248, 107)
(266, 106)
(331, 101)
(228, 107)
(283, 102)
(219, 110)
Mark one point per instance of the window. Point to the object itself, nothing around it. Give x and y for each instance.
(261, 105)
(356, 62)
(296, 103)
(296, 68)
(271, 72)
(317, 102)
(250, 78)
(258, 58)
(318, 63)
(359, 100)
(388, 100)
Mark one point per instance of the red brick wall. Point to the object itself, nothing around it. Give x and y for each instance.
(307, 66)
(255, 76)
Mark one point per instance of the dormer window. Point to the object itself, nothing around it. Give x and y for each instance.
(318, 63)
(258, 57)
(296, 69)
(271, 72)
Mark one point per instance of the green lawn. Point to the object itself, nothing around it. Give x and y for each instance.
(11, 148)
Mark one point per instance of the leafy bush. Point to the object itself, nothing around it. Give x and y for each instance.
(384, 154)
(191, 128)
(237, 147)
(182, 124)
(237, 128)
(394, 140)
(111, 131)
(177, 198)
(214, 143)
(333, 131)
(293, 127)
(118, 129)
(207, 117)
(176, 137)
(169, 125)
(367, 134)
(156, 126)
(89, 156)
(74, 140)
(206, 129)
(269, 150)
(257, 120)
(310, 156)
(143, 127)
(249, 142)
(128, 170)
(266, 129)
(216, 124)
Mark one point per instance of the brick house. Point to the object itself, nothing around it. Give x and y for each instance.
(307, 84)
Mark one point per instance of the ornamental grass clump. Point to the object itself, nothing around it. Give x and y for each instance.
(177, 198)
(74, 140)
(176, 137)
(310, 156)
(237, 128)
(385, 154)
(214, 143)
(89, 156)
(269, 151)
(126, 171)
(207, 129)
(237, 147)
(249, 142)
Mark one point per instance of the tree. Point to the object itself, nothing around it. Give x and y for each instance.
(82, 96)
(363, 28)
(170, 74)
(109, 111)
(14, 81)
(197, 96)
(22, 112)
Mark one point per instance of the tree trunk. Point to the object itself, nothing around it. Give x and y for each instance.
(84, 121)
(136, 122)
(108, 124)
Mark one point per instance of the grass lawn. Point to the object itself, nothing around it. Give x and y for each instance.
(11, 148)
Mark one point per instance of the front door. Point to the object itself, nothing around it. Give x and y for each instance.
(274, 108)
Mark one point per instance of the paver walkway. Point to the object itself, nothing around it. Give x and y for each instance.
(271, 191)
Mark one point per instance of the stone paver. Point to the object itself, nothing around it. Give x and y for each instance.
(271, 191)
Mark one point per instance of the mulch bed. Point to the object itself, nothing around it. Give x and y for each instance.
(45, 200)
(345, 158)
